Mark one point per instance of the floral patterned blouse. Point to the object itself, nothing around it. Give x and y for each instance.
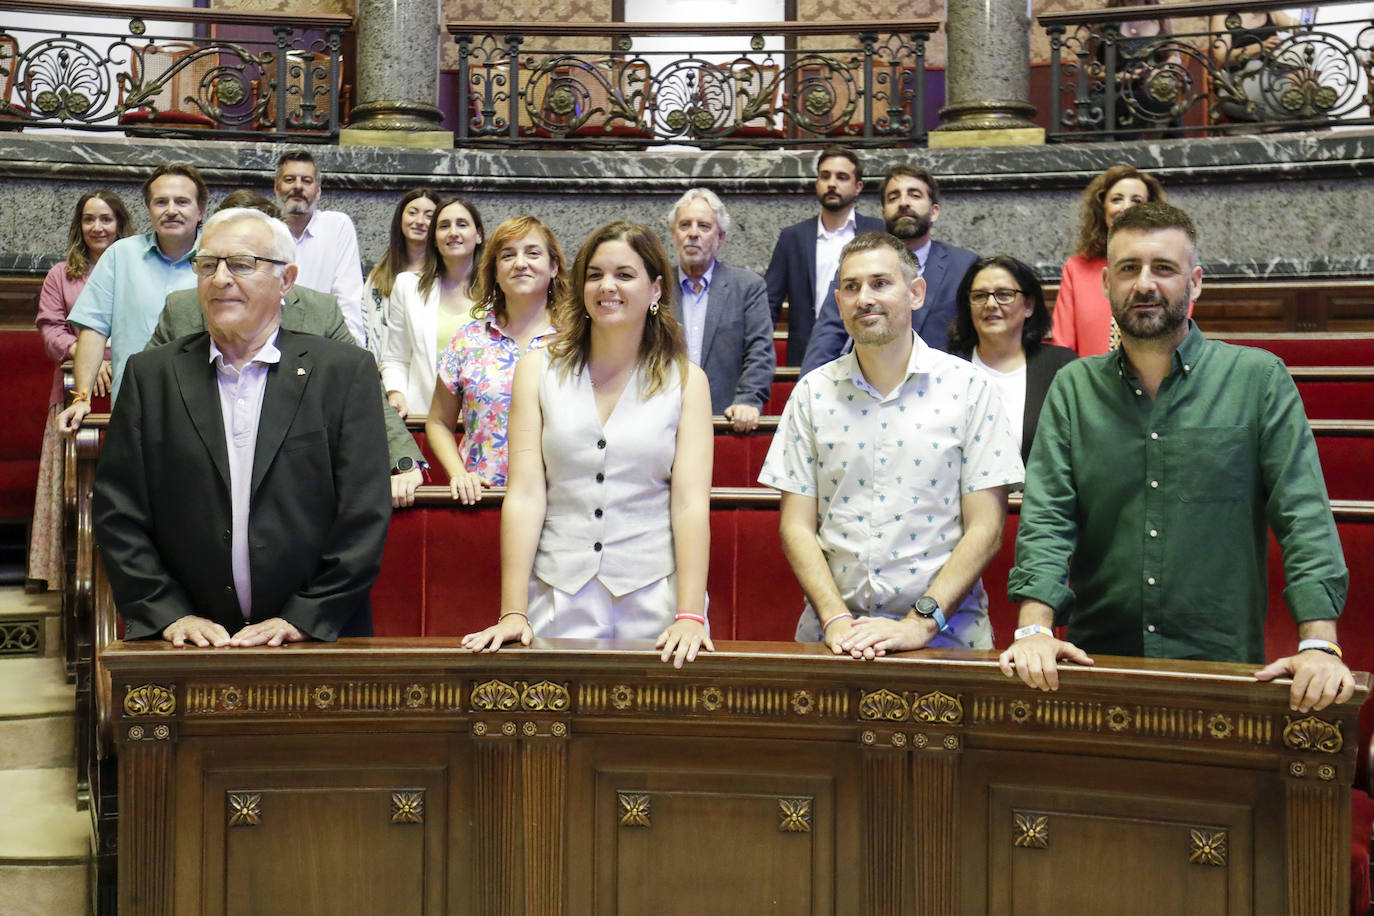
(479, 366)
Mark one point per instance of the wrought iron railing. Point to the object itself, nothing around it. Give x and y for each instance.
(200, 72)
(1210, 68)
(595, 83)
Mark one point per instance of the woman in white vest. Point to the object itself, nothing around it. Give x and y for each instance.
(429, 307)
(605, 526)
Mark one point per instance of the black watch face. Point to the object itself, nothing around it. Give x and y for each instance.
(405, 464)
(927, 606)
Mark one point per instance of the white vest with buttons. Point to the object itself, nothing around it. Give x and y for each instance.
(607, 510)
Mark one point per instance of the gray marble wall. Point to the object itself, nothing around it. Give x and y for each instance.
(1278, 206)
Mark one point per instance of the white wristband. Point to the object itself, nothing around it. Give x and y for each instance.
(1032, 630)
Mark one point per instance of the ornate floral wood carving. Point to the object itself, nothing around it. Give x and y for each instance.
(545, 696)
(495, 695)
(348, 696)
(634, 809)
(149, 700)
(1208, 846)
(1312, 734)
(884, 705)
(245, 809)
(408, 807)
(1031, 831)
(939, 707)
(794, 815)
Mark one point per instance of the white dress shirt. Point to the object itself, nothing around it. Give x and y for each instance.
(240, 403)
(694, 311)
(327, 260)
(828, 247)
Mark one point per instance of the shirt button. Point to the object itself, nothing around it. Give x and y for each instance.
(596, 546)
(228, 589)
(1151, 628)
(1154, 484)
(598, 513)
(1187, 368)
(1154, 533)
(601, 443)
(1150, 581)
(600, 477)
(1138, 391)
(1154, 435)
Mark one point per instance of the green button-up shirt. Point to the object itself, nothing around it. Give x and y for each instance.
(1143, 521)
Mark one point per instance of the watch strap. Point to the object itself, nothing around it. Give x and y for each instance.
(1321, 645)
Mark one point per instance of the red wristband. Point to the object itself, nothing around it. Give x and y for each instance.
(825, 625)
(687, 615)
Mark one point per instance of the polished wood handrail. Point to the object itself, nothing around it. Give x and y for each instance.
(584, 29)
(215, 16)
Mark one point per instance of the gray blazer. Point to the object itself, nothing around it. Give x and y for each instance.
(305, 310)
(737, 342)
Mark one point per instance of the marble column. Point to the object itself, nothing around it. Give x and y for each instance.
(988, 76)
(398, 74)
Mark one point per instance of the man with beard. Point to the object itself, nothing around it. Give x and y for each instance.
(894, 463)
(326, 242)
(911, 207)
(1154, 471)
(802, 269)
(124, 295)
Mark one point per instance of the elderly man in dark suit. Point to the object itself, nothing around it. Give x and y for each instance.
(241, 496)
(723, 311)
(911, 206)
(802, 269)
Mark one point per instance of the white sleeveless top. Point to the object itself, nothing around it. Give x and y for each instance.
(607, 510)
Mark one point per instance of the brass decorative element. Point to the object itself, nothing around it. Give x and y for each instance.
(135, 733)
(1312, 734)
(712, 699)
(479, 728)
(621, 696)
(1297, 768)
(21, 636)
(245, 809)
(1219, 726)
(869, 736)
(495, 695)
(884, 704)
(919, 740)
(898, 739)
(559, 729)
(161, 733)
(416, 695)
(507, 728)
(149, 700)
(324, 696)
(1019, 712)
(939, 707)
(1032, 830)
(408, 807)
(951, 742)
(528, 729)
(1118, 719)
(634, 809)
(1326, 772)
(794, 815)
(232, 698)
(802, 704)
(545, 696)
(1208, 847)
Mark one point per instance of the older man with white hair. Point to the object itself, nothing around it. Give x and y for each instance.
(723, 311)
(241, 497)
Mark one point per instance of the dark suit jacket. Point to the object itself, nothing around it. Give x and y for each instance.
(320, 503)
(945, 267)
(1041, 365)
(307, 311)
(737, 342)
(792, 276)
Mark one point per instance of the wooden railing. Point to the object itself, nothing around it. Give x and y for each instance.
(1204, 75)
(855, 83)
(270, 76)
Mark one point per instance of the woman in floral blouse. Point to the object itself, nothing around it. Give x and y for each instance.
(521, 275)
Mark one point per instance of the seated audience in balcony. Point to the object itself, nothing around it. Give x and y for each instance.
(310, 312)
(428, 307)
(326, 241)
(894, 462)
(241, 498)
(1082, 316)
(1001, 327)
(405, 251)
(1156, 472)
(911, 207)
(723, 312)
(126, 288)
(520, 279)
(1253, 88)
(605, 527)
(802, 269)
(99, 221)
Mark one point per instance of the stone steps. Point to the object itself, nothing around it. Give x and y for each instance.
(44, 840)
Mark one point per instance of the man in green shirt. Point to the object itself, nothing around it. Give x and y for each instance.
(1154, 472)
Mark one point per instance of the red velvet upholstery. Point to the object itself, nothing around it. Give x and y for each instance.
(28, 380)
(462, 585)
(1314, 350)
(777, 400)
(1346, 464)
(1337, 400)
(171, 118)
(1361, 824)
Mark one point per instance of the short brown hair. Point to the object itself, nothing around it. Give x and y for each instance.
(1153, 216)
(872, 241)
(185, 170)
(835, 151)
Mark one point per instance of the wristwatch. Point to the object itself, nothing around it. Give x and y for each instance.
(404, 464)
(929, 608)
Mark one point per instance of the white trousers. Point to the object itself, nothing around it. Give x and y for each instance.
(594, 613)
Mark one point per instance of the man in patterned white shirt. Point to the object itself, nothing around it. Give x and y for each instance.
(894, 463)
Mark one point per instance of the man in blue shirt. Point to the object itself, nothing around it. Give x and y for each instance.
(127, 288)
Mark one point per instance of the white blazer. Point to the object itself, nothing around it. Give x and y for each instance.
(410, 354)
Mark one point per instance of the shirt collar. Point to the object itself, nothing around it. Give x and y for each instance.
(267, 353)
(922, 254)
(310, 226)
(1186, 355)
(495, 330)
(150, 243)
(823, 233)
(686, 282)
(920, 361)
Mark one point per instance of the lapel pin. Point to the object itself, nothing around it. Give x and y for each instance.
(300, 371)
